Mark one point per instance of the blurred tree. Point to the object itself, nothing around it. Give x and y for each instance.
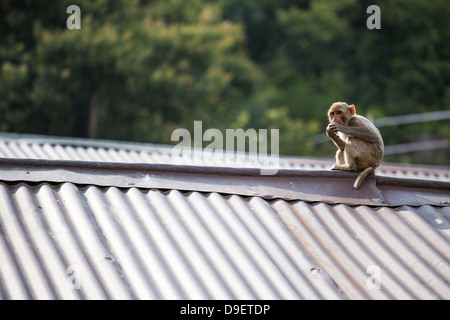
(317, 52)
(404, 68)
(138, 69)
(134, 73)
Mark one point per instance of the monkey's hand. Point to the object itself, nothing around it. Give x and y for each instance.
(332, 129)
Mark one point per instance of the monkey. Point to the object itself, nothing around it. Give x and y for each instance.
(360, 145)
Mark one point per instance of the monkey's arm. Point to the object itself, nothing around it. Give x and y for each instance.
(364, 132)
(337, 141)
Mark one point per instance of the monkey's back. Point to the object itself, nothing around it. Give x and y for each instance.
(367, 146)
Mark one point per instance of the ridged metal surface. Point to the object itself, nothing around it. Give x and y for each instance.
(55, 148)
(63, 242)
(67, 242)
(406, 248)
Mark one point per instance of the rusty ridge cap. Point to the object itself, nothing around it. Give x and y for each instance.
(327, 186)
(42, 164)
(179, 168)
(412, 183)
(118, 167)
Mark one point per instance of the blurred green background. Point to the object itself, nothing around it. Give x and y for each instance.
(138, 69)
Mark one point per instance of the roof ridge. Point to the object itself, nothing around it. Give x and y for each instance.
(288, 184)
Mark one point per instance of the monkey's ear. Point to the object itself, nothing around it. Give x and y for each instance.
(352, 109)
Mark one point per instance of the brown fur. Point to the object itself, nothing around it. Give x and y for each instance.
(359, 143)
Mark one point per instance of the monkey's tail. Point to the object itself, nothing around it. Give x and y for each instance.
(362, 176)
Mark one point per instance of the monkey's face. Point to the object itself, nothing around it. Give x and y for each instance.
(340, 113)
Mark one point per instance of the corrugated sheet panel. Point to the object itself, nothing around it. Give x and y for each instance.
(66, 242)
(81, 241)
(54, 148)
(376, 253)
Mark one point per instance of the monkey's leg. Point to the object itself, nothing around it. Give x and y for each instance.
(350, 158)
(340, 160)
(340, 157)
(342, 167)
(345, 160)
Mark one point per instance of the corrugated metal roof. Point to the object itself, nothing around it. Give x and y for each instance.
(58, 148)
(112, 230)
(408, 246)
(71, 242)
(148, 244)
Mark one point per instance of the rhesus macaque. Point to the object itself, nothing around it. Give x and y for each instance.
(359, 143)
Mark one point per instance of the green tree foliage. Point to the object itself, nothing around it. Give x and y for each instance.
(317, 52)
(133, 71)
(138, 69)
